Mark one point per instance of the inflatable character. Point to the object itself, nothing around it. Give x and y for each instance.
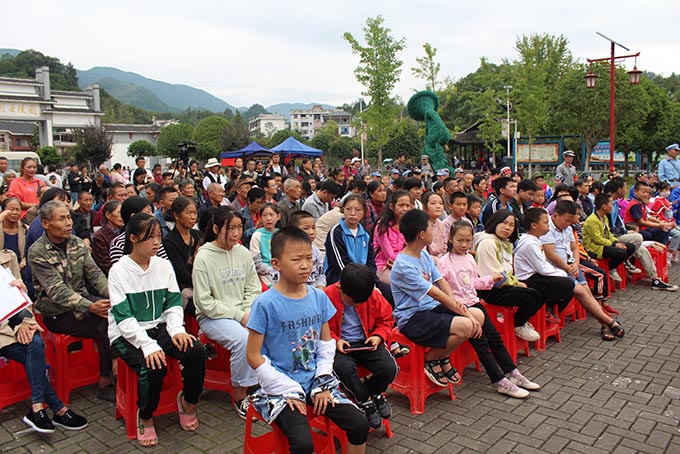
(423, 106)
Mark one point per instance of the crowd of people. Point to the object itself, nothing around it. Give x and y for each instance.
(302, 273)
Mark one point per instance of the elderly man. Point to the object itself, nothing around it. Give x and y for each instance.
(567, 170)
(669, 168)
(212, 174)
(63, 270)
(290, 203)
(215, 198)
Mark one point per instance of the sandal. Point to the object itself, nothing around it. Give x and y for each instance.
(452, 374)
(188, 421)
(399, 351)
(616, 328)
(439, 377)
(146, 434)
(606, 334)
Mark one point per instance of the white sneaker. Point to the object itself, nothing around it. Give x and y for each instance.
(527, 332)
(615, 275)
(513, 390)
(632, 269)
(525, 383)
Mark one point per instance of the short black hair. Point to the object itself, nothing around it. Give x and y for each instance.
(254, 194)
(501, 183)
(532, 216)
(166, 190)
(472, 199)
(565, 207)
(457, 195)
(356, 184)
(499, 217)
(412, 182)
(639, 185)
(287, 234)
(298, 216)
(614, 185)
(527, 185)
(330, 187)
(602, 199)
(357, 281)
(412, 223)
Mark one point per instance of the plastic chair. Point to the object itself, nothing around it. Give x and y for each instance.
(572, 310)
(660, 262)
(503, 318)
(218, 369)
(127, 394)
(411, 380)
(545, 329)
(613, 285)
(14, 386)
(275, 442)
(464, 355)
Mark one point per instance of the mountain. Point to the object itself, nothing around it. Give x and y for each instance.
(138, 88)
(12, 52)
(285, 108)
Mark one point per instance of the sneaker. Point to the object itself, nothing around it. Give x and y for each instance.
(658, 284)
(241, 407)
(107, 393)
(372, 415)
(525, 383)
(512, 390)
(550, 317)
(39, 421)
(70, 421)
(384, 408)
(675, 257)
(632, 269)
(615, 275)
(527, 332)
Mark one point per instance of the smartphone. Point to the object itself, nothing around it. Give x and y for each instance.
(358, 349)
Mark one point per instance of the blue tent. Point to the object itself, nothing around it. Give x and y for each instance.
(292, 147)
(227, 158)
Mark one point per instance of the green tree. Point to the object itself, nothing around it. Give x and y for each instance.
(208, 135)
(93, 145)
(118, 112)
(325, 136)
(428, 68)
(280, 136)
(378, 71)
(24, 64)
(340, 148)
(236, 134)
(170, 136)
(49, 156)
(141, 148)
(404, 138)
(253, 111)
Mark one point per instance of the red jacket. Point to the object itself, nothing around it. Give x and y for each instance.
(375, 314)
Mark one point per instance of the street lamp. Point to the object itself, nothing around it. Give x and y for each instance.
(361, 138)
(591, 80)
(507, 109)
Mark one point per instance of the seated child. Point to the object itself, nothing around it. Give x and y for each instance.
(539, 199)
(433, 205)
(651, 229)
(459, 208)
(291, 350)
(361, 326)
(662, 209)
(146, 322)
(304, 221)
(473, 212)
(460, 270)
(20, 341)
(270, 214)
(425, 310)
(387, 239)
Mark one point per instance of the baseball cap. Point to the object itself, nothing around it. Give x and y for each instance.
(569, 153)
(376, 174)
(459, 169)
(506, 171)
(395, 170)
(406, 173)
(674, 146)
(356, 160)
(640, 174)
(424, 156)
(443, 172)
(559, 177)
(417, 171)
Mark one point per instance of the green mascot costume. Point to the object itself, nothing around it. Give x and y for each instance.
(423, 106)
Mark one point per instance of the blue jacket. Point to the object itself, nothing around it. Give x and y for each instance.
(342, 247)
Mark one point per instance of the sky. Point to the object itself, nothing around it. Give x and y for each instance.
(267, 52)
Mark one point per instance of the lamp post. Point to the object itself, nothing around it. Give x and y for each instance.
(361, 137)
(591, 81)
(507, 109)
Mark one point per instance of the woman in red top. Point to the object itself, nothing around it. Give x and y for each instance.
(25, 188)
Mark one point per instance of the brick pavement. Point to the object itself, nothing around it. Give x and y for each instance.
(597, 397)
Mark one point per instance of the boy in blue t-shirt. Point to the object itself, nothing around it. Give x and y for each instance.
(291, 350)
(424, 307)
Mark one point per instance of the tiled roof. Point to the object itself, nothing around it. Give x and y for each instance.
(151, 129)
(17, 80)
(17, 127)
(79, 94)
(23, 99)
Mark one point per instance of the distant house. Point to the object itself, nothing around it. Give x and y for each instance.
(16, 135)
(267, 124)
(124, 135)
(309, 121)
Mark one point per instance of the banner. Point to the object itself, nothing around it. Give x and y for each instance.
(540, 152)
(601, 153)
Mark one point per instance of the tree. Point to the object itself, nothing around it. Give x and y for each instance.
(236, 134)
(253, 111)
(93, 145)
(49, 156)
(378, 71)
(428, 68)
(324, 137)
(208, 135)
(404, 138)
(141, 148)
(24, 64)
(170, 136)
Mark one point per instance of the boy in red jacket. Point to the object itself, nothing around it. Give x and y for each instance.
(361, 326)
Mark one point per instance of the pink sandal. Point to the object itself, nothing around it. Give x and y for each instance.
(146, 434)
(186, 420)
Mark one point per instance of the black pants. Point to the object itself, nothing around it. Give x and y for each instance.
(527, 301)
(381, 364)
(617, 255)
(91, 326)
(491, 350)
(150, 381)
(296, 427)
(655, 234)
(554, 290)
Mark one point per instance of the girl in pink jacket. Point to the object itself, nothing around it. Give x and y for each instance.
(387, 240)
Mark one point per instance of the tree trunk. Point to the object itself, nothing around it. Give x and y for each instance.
(380, 148)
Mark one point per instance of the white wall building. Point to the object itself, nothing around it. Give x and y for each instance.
(124, 135)
(267, 124)
(309, 121)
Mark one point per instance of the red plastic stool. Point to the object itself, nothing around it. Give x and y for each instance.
(127, 394)
(503, 318)
(660, 262)
(464, 355)
(572, 310)
(218, 369)
(275, 442)
(191, 325)
(545, 329)
(604, 264)
(411, 380)
(14, 386)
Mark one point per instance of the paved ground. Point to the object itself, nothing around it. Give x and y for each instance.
(597, 397)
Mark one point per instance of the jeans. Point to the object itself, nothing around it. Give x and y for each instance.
(231, 335)
(32, 356)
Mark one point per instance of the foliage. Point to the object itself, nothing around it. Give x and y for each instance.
(341, 147)
(49, 156)
(208, 135)
(236, 134)
(118, 112)
(170, 136)
(280, 136)
(324, 137)
(378, 71)
(404, 138)
(93, 145)
(141, 148)
(23, 65)
(253, 111)
(428, 68)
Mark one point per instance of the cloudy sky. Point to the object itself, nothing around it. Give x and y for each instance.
(268, 51)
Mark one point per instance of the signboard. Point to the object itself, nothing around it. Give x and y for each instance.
(601, 153)
(19, 110)
(540, 152)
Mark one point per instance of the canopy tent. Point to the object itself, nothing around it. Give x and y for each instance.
(293, 148)
(253, 149)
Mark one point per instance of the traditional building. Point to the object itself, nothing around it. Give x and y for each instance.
(16, 135)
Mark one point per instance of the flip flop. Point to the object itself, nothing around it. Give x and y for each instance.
(187, 421)
(146, 434)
